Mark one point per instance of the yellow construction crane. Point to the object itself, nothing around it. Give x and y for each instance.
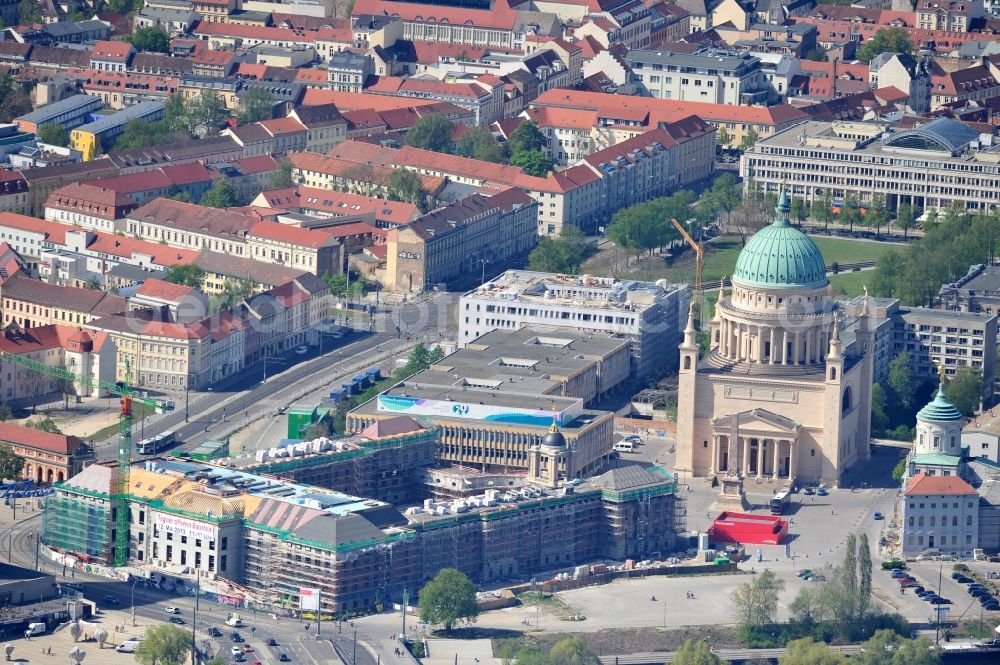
(699, 266)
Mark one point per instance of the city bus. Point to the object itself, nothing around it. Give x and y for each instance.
(155, 444)
(780, 501)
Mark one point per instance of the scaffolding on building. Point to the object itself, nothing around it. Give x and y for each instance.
(72, 524)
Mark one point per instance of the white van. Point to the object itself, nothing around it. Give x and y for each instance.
(624, 447)
(128, 646)
(35, 629)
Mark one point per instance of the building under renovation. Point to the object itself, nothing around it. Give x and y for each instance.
(257, 527)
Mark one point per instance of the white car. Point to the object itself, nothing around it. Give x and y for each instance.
(236, 651)
(302, 350)
(172, 610)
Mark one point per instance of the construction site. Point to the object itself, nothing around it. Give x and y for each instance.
(359, 519)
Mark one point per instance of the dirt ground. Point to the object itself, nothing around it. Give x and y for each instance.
(632, 640)
(82, 420)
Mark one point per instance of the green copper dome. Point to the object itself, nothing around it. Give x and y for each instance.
(781, 256)
(939, 409)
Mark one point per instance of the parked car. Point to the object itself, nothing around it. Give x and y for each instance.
(897, 574)
(804, 572)
(272, 642)
(906, 580)
(808, 490)
(633, 438)
(894, 564)
(908, 584)
(940, 601)
(817, 578)
(284, 658)
(302, 350)
(879, 516)
(821, 491)
(919, 590)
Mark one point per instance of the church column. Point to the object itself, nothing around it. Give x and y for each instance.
(784, 347)
(791, 459)
(770, 359)
(760, 457)
(715, 454)
(775, 466)
(746, 455)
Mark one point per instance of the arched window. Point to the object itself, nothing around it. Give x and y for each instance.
(687, 362)
(833, 373)
(845, 402)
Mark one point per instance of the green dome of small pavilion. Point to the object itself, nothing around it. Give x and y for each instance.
(781, 256)
(939, 409)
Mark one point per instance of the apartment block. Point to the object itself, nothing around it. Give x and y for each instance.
(715, 78)
(651, 316)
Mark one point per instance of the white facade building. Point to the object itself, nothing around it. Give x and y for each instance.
(651, 315)
(940, 512)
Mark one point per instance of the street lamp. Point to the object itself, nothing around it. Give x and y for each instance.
(483, 261)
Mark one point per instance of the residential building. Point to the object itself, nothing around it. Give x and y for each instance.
(89, 206)
(190, 226)
(111, 56)
(349, 72)
(701, 77)
(649, 315)
(28, 303)
(906, 74)
(315, 251)
(222, 270)
(933, 339)
(325, 126)
(948, 16)
(172, 302)
(43, 180)
(459, 239)
(860, 159)
(13, 191)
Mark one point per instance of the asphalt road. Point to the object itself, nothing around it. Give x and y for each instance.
(251, 398)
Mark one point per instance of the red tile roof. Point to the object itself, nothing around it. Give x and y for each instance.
(111, 51)
(89, 199)
(194, 217)
(499, 15)
(923, 485)
(53, 231)
(61, 444)
(160, 290)
(291, 234)
(351, 101)
(281, 126)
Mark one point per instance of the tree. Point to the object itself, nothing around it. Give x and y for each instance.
(749, 139)
(30, 11)
(187, 275)
(724, 195)
(816, 54)
(887, 40)
(886, 647)
(150, 39)
(431, 132)
(54, 134)
(256, 104)
(406, 186)
(222, 195)
(448, 599)
(965, 389)
(695, 653)
(798, 210)
(807, 652)
(865, 575)
(564, 254)
(822, 210)
(906, 218)
(723, 138)
(888, 269)
(183, 197)
(849, 573)
(45, 424)
(534, 162)
(319, 429)
(850, 213)
(527, 137)
(757, 601)
(878, 214)
(5, 412)
(572, 651)
(901, 379)
(479, 143)
(14, 101)
(11, 465)
(282, 177)
(207, 112)
(164, 644)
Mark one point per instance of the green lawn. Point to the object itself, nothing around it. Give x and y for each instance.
(850, 284)
(721, 255)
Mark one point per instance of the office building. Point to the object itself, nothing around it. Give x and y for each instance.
(650, 315)
(929, 166)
